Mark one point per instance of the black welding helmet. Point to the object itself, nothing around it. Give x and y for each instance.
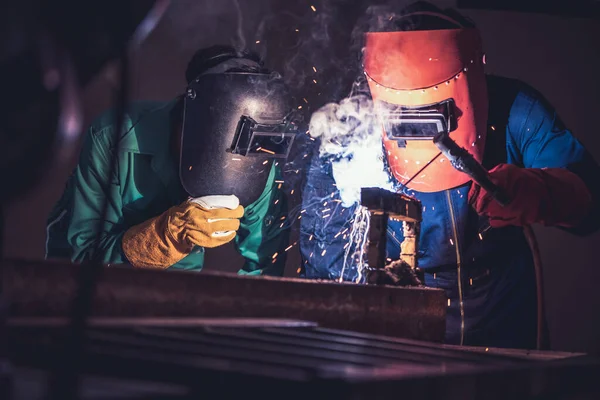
(236, 125)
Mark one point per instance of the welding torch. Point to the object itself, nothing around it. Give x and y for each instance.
(464, 162)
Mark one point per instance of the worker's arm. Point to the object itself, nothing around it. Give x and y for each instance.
(263, 235)
(545, 142)
(325, 224)
(91, 186)
(554, 182)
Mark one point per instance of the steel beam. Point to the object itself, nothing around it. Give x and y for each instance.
(46, 289)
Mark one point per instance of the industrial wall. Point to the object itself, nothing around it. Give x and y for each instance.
(558, 56)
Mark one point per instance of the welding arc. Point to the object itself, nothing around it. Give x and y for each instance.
(422, 169)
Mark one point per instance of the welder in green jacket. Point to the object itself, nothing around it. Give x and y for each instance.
(176, 189)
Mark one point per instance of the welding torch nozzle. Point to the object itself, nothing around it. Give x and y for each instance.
(464, 162)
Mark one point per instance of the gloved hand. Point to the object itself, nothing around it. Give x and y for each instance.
(162, 241)
(549, 196)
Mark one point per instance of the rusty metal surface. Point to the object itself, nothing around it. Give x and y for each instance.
(46, 289)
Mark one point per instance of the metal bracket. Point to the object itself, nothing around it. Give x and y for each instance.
(382, 205)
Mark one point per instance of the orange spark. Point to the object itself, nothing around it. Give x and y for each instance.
(266, 151)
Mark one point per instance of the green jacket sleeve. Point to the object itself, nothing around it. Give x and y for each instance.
(264, 234)
(90, 187)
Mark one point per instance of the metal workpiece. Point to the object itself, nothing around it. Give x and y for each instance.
(410, 244)
(395, 205)
(383, 205)
(46, 289)
(376, 245)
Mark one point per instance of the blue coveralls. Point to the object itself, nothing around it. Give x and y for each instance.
(497, 276)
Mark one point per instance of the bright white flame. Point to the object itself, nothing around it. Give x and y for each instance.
(351, 135)
(358, 235)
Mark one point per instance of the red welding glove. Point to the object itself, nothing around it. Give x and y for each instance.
(548, 196)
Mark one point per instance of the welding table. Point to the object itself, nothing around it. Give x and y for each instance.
(271, 359)
(155, 335)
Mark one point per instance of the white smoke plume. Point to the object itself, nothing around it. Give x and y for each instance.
(241, 40)
(351, 137)
(193, 24)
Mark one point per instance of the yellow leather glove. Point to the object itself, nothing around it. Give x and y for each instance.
(164, 240)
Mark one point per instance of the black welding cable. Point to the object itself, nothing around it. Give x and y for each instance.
(64, 384)
(541, 337)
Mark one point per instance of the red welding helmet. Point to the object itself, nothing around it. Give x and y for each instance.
(434, 80)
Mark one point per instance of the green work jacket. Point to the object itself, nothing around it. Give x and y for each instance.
(145, 184)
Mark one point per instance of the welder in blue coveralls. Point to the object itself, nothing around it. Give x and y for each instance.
(470, 246)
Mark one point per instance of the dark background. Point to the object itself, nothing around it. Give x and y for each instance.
(558, 55)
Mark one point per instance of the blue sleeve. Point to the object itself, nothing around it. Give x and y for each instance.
(325, 225)
(540, 139)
